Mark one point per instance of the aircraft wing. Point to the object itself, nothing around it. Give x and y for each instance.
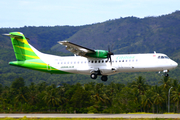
(76, 49)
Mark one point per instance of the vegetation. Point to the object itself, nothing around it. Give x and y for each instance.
(127, 35)
(25, 118)
(136, 96)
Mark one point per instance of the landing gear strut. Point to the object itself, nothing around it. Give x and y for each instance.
(166, 73)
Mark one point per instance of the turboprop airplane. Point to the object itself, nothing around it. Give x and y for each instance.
(89, 62)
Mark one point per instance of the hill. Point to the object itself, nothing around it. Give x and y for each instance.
(127, 35)
(133, 34)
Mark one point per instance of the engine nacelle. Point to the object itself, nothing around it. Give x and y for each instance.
(98, 54)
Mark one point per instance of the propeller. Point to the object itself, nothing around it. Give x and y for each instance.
(109, 55)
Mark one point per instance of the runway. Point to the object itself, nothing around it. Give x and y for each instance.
(91, 115)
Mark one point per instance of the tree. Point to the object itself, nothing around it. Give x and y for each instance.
(51, 97)
(80, 100)
(19, 82)
(140, 85)
(158, 97)
(147, 100)
(176, 97)
(33, 94)
(166, 84)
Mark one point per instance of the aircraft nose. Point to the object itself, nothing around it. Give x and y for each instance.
(174, 64)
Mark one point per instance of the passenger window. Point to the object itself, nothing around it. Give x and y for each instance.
(78, 62)
(102, 61)
(64, 62)
(119, 60)
(92, 61)
(74, 62)
(95, 61)
(122, 60)
(159, 57)
(99, 61)
(126, 60)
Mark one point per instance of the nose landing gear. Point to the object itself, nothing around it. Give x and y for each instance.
(166, 73)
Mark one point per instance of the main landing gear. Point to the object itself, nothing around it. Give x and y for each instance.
(104, 78)
(93, 76)
(96, 73)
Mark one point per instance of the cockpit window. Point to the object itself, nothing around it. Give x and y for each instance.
(166, 57)
(163, 57)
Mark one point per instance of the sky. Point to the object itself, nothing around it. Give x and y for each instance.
(20, 13)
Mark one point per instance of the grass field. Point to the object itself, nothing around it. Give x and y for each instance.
(24, 118)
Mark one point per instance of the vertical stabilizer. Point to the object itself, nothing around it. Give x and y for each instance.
(22, 49)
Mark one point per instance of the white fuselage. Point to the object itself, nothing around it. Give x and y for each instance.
(120, 63)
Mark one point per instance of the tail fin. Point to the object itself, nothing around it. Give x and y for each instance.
(23, 50)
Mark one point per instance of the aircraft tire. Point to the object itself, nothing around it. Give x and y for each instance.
(166, 75)
(104, 78)
(93, 76)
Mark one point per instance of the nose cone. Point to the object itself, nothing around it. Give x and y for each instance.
(174, 64)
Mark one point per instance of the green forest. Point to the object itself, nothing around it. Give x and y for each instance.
(126, 35)
(136, 96)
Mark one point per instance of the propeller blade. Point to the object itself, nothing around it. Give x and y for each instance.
(109, 49)
(110, 60)
(109, 55)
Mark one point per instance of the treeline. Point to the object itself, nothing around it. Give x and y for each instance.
(136, 96)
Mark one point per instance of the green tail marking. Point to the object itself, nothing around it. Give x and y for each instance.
(26, 57)
(22, 49)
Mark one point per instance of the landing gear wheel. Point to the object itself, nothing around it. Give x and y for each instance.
(166, 75)
(104, 78)
(93, 76)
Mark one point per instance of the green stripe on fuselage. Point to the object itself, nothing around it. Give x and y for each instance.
(37, 64)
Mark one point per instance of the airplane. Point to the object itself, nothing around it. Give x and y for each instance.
(86, 61)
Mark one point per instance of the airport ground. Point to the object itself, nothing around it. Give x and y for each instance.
(91, 116)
